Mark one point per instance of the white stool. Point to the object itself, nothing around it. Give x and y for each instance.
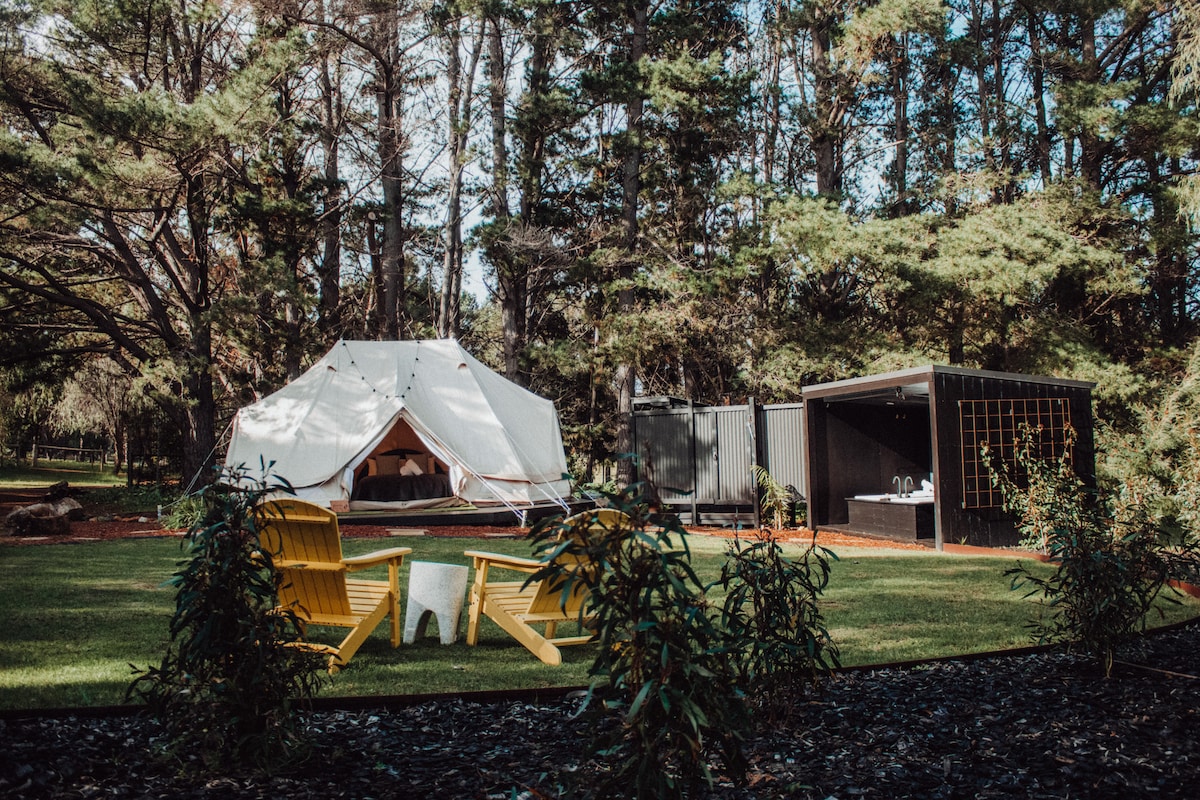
(434, 589)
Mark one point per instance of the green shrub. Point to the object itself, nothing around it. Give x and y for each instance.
(1039, 488)
(1111, 559)
(132, 499)
(226, 687)
(776, 500)
(775, 632)
(184, 512)
(662, 665)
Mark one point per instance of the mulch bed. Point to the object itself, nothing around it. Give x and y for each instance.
(104, 527)
(1033, 725)
(1041, 725)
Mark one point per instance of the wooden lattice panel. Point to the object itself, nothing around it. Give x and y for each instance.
(996, 423)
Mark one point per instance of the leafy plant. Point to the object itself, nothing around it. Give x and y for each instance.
(662, 664)
(774, 627)
(227, 685)
(1111, 559)
(1039, 487)
(184, 512)
(775, 498)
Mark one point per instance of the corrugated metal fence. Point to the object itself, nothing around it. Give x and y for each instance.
(701, 458)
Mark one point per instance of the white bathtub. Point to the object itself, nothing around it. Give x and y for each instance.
(919, 497)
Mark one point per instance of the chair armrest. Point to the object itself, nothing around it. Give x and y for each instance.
(301, 563)
(376, 558)
(502, 561)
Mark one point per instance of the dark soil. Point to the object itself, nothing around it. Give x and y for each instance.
(1042, 725)
(1032, 725)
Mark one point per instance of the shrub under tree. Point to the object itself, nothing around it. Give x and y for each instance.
(227, 687)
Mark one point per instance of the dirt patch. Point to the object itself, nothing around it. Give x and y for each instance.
(101, 526)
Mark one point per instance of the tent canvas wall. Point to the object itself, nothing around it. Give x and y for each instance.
(497, 442)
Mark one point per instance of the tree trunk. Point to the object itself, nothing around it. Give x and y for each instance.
(1038, 75)
(373, 314)
(626, 371)
(773, 111)
(1006, 188)
(948, 106)
(120, 439)
(826, 135)
(978, 35)
(330, 267)
(900, 89)
(391, 161)
(199, 407)
(452, 256)
(497, 72)
(1089, 141)
(510, 280)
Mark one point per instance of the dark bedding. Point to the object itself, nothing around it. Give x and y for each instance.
(401, 488)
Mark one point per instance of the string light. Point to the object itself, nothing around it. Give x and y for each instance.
(412, 378)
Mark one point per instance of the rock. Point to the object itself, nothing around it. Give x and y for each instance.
(40, 519)
(70, 508)
(57, 491)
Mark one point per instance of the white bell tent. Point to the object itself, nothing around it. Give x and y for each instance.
(386, 408)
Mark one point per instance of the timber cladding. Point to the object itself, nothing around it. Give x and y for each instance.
(861, 437)
(866, 435)
(971, 513)
(700, 459)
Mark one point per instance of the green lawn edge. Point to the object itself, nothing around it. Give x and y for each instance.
(80, 617)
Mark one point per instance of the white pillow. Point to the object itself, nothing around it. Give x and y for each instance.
(411, 467)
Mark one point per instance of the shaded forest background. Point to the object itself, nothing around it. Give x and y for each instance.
(715, 200)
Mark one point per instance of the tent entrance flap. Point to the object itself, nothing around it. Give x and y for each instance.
(400, 438)
(489, 490)
(405, 462)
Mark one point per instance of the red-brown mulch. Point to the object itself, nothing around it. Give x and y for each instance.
(103, 527)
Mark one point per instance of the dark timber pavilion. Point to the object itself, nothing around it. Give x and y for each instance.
(899, 453)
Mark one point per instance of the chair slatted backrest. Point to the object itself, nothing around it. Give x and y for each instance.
(549, 598)
(305, 541)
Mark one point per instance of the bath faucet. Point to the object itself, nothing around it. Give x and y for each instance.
(899, 486)
(908, 485)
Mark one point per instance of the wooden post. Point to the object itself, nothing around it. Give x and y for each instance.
(692, 449)
(755, 459)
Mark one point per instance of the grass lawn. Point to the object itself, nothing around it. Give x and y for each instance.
(77, 616)
(106, 493)
(48, 472)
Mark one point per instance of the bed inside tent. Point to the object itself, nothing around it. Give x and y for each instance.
(401, 472)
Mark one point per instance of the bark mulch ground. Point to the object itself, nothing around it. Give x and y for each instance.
(1034, 725)
(1042, 725)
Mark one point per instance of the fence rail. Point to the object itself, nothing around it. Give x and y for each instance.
(89, 455)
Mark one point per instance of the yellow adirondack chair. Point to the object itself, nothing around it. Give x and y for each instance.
(516, 608)
(307, 547)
